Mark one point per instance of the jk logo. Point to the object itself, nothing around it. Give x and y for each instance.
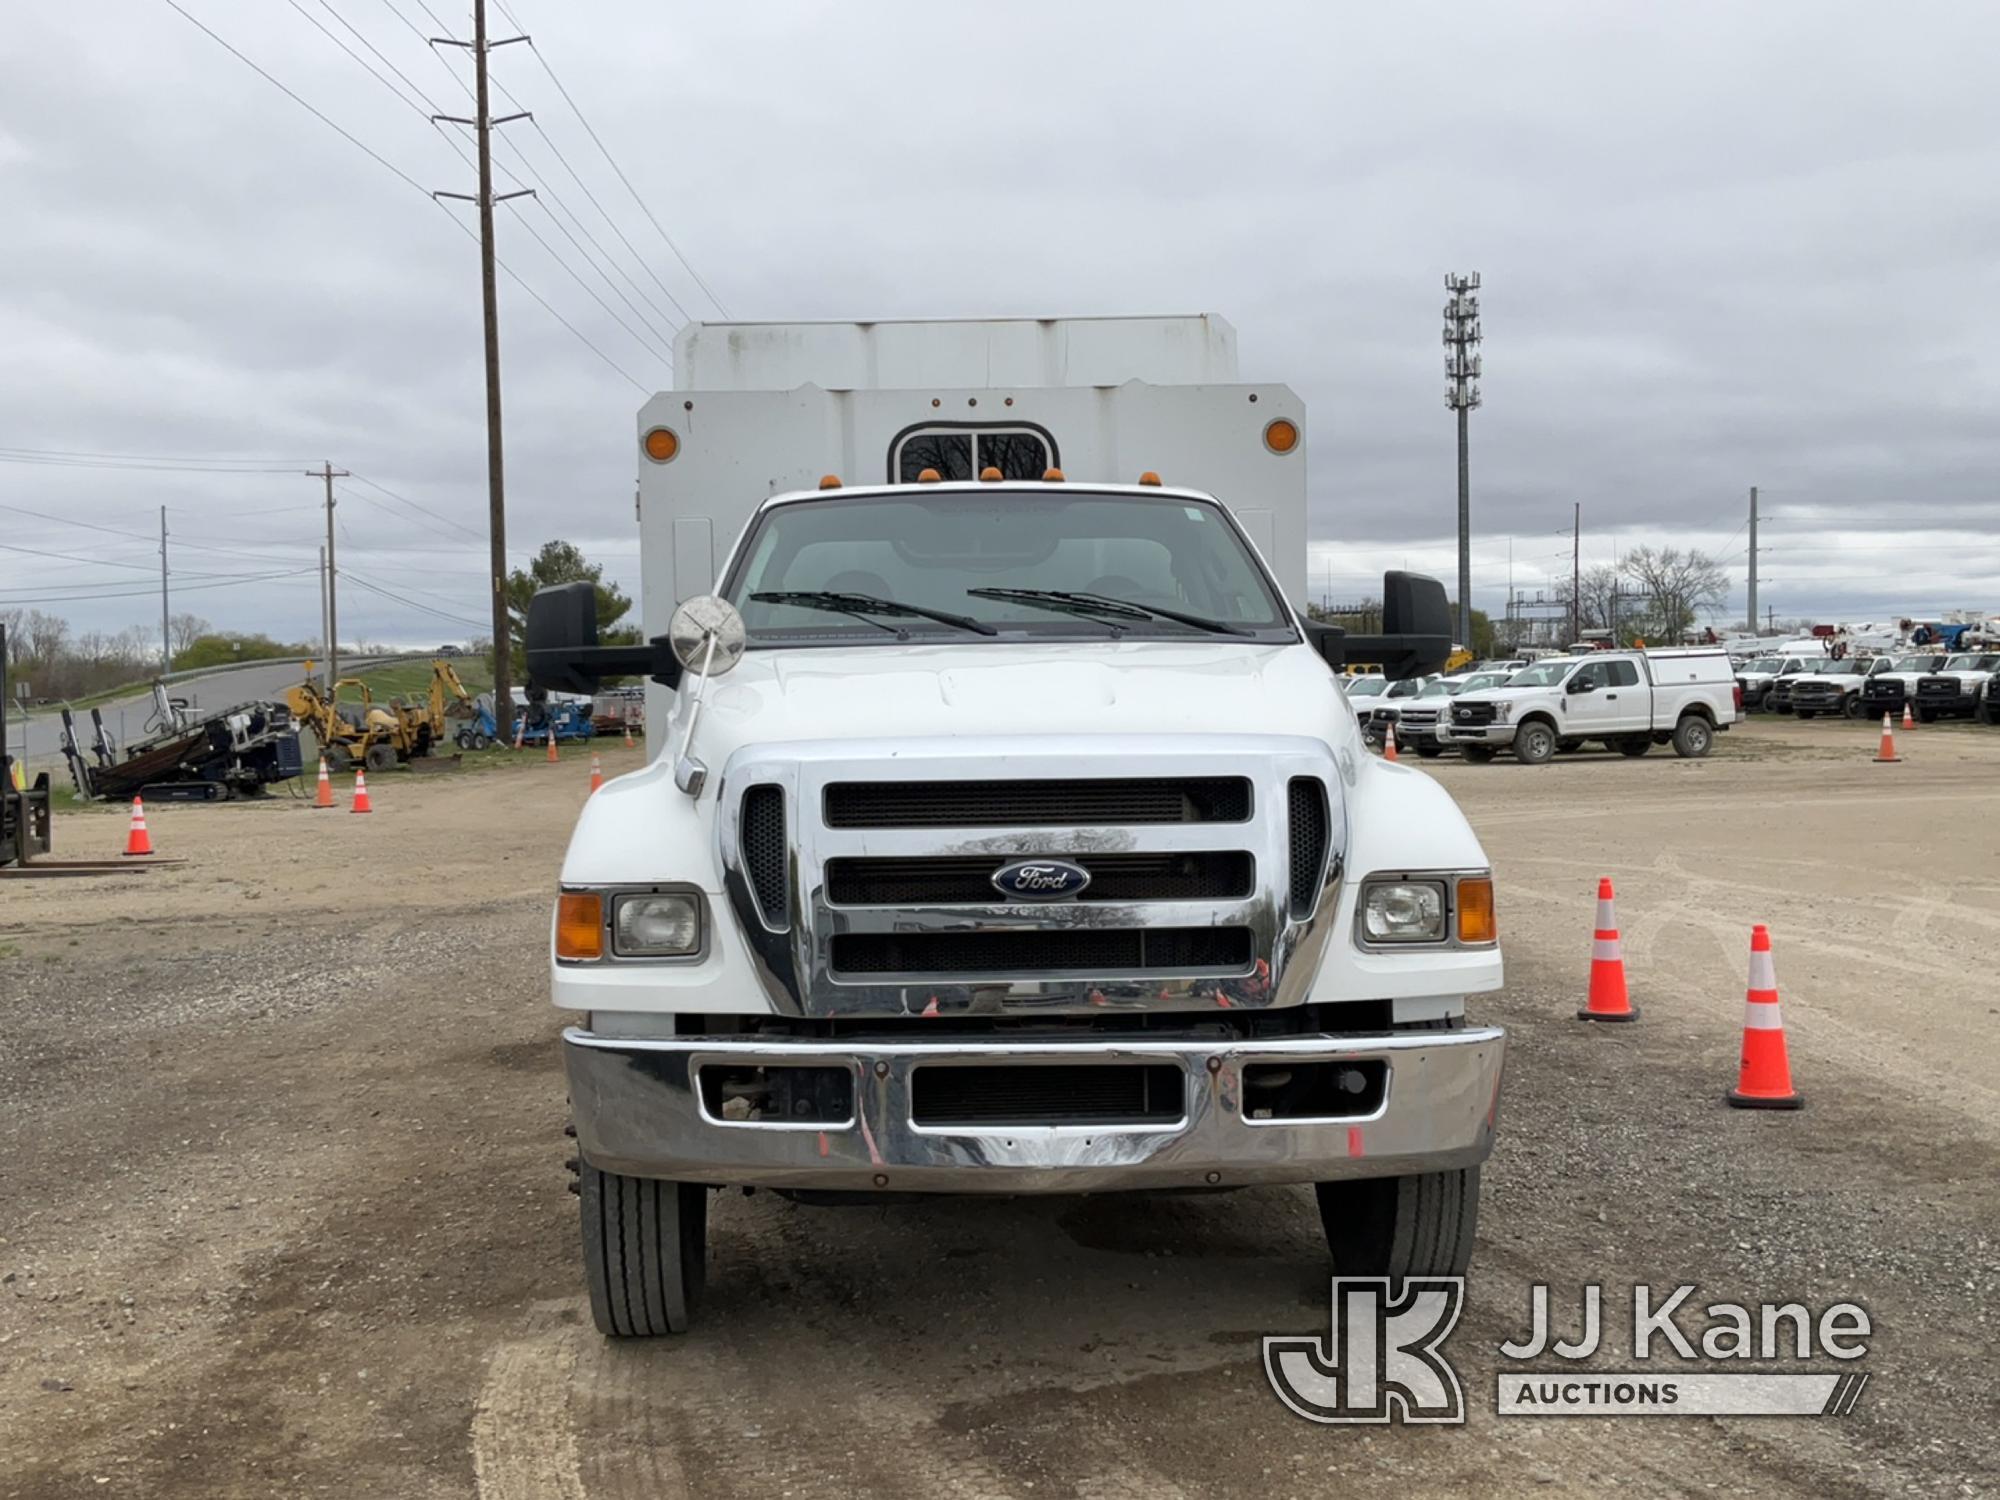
(1379, 1362)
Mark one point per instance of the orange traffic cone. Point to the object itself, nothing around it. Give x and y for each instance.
(1908, 722)
(138, 841)
(553, 757)
(1608, 1000)
(323, 796)
(1887, 754)
(628, 734)
(1765, 1080)
(520, 731)
(361, 802)
(596, 773)
(1389, 741)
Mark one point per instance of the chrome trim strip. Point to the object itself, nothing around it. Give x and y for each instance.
(638, 1111)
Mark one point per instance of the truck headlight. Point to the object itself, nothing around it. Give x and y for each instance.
(1502, 712)
(1404, 911)
(647, 925)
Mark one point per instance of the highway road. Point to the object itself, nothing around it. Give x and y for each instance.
(126, 718)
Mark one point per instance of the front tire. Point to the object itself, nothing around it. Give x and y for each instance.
(1534, 744)
(1927, 716)
(1430, 752)
(1854, 708)
(1694, 737)
(1423, 1224)
(645, 1251)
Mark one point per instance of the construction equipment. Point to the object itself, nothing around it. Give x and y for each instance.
(237, 752)
(376, 735)
(24, 808)
(569, 718)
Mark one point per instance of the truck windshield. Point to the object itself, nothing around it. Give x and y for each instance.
(1914, 663)
(1762, 664)
(1967, 663)
(1366, 687)
(943, 551)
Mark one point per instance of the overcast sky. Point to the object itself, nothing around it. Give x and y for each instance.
(1722, 245)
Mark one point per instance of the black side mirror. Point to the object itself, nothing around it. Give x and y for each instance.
(1416, 629)
(562, 624)
(1581, 685)
(562, 650)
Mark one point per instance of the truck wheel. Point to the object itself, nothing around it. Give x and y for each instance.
(1479, 755)
(1989, 712)
(381, 757)
(337, 758)
(1854, 708)
(1420, 1225)
(1635, 744)
(645, 1251)
(1568, 745)
(1430, 752)
(1694, 737)
(1534, 744)
(1807, 713)
(1927, 716)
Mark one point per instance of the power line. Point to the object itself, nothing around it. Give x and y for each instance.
(430, 112)
(354, 577)
(405, 177)
(613, 162)
(413, 505)
(149, 590)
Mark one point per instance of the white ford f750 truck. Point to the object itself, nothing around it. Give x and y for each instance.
(1005, 829)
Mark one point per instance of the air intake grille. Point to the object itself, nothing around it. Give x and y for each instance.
(968, 879)
(1011, 804)
(1043, 951)
(1309, 820)
(764, 852)
(1049, 1094)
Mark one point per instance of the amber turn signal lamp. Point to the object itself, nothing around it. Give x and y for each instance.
(661, 445)
(579, 925)
(1281, 435)
(1476, 923)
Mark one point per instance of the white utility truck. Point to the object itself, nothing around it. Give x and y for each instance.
(1627, 700)
(1028, 844)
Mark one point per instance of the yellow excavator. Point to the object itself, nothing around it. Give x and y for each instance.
(379, 735)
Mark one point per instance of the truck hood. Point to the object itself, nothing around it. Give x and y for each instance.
(984, 689)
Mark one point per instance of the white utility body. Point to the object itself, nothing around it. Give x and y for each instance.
(1029, 843)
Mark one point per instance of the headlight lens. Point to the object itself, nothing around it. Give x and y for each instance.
(656, 926)
(1404, 912)
(1503, 711)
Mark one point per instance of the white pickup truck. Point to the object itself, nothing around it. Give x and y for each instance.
(1028, 844)
(1627, 700)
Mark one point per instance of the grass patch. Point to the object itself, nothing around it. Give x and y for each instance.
(411, 680)
(10, 950)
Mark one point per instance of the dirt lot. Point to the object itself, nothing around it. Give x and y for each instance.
(282, 1209)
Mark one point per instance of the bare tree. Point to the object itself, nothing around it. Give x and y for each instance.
(1677, 585)
(184, 630)
(46, 636)
(1598, 588)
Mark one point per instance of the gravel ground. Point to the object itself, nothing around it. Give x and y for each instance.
(284, 1211)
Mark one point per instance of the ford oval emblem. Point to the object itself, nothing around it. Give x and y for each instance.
(1041, 879)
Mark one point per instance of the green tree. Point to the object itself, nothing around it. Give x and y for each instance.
(562, 562)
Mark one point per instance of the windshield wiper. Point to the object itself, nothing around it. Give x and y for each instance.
(1105, 605)
(864, 605)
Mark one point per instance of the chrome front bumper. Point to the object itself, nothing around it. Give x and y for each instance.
(639, 1111)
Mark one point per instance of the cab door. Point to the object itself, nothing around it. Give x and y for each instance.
(1590, 703)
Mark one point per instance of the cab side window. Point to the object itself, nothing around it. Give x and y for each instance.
(1590, 675)
(1624, 673)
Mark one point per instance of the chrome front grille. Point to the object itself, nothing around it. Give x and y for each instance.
(1212, 872)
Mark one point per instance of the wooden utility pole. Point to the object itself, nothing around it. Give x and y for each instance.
(166, 636)
(1576, 575)
(326, 471)
(496, 483)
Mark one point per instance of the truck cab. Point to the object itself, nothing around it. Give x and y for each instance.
(1894, 680)
(1833, 687)
(1628, 700)
(1004, 834)
(1757, 676)
(1955, 690)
